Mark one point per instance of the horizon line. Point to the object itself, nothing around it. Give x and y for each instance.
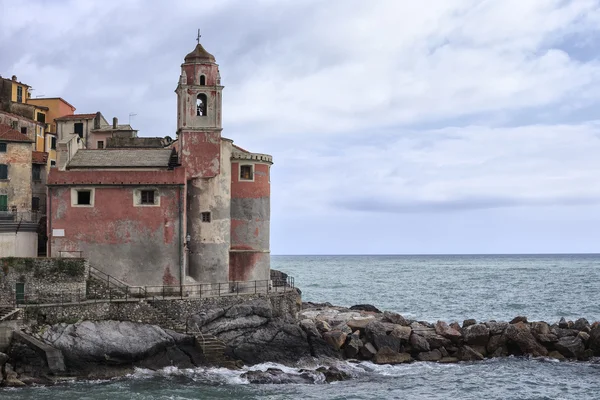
(439, 254)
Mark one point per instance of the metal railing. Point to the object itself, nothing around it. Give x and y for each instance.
(8, 216)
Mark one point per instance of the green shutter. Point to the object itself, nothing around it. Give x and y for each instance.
(3, 202)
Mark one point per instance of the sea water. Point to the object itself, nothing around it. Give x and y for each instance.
(450, 288)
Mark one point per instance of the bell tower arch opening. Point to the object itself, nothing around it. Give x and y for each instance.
(201, 105)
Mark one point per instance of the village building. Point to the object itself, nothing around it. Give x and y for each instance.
(18, 223)
(162, 212)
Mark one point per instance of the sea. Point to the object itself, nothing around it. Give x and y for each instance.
(426, 288)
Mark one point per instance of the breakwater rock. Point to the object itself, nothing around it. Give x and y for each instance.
(389, 338)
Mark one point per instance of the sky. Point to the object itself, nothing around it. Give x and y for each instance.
(396, 126)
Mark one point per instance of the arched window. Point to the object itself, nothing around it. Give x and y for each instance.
(202, 80)
(201, 105)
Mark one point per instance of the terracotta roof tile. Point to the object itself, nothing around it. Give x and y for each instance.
(8, 134)
(39, 157)
(78, 116)
(121, 158)
(71, 178)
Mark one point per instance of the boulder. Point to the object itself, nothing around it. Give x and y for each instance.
(496, 342)
(342, 327)
(277, 376)
(443, 329)
(352, 346)
(480, 349)
(365, 307)
(401, 332)
(333, 374)
(3, 360)
(570, 346)
(377, 333)
(466, 353)
(519, 319)
(367, 351)
(395, 318)
(389, 356)
(359, 323)
(322, 326)
(10, 377)
(562, 332)
(521, 336)
(433, 355)
(556, 355)
(477, 334)
(584, 336)
(335, 339)
(496, 328)
(468, 322)
(563, 323)
(456, 325)
(418, 343)
(309, 326)
(582, 324)
(594, 340)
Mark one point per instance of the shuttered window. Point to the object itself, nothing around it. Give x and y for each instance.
(3, 171)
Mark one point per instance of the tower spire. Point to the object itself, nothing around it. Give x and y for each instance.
(199, 36)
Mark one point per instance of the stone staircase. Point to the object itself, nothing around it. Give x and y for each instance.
(7, 312)
(214, 351)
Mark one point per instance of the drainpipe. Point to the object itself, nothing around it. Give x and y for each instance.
(49, 222)
(181, 271)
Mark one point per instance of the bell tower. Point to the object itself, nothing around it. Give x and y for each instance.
(199, 101)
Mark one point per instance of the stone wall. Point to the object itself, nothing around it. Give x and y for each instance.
(45, 279)
(285, 305)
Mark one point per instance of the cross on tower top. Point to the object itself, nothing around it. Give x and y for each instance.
(198, 38)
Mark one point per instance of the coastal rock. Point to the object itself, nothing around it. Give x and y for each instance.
(352, 346)
(495, 343)
(309, 326)
(102, 341)
(433, 355)
(377, 333)
(389, 356)
(333, 374)
(335, 339)
(564, 332)
(322, 326)
(582, 324)
(395, 318)
(366, 307)
(496, 328)
(466, 353)
(359, 323)
(3, 360)
(570, 346)
(443, 329)
(368, 351)
(468, 322)
(418, 343)
(401, 332)
(594, 340)
(521, 335)
(563, 323)
(518, 319)
(277, 376)
(477, 334)
(556, 355)
(10, 377)
(342, 327)
(456, 325)
(448, 360)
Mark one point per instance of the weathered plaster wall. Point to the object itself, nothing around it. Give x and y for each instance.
(44, 278)
(18, 244)
(201, 153)
(18, 184)
(210, 241)
(140, 245)
(22, 122)
(250, 224)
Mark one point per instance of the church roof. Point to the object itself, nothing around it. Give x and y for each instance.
(121, 158)
(199, 55)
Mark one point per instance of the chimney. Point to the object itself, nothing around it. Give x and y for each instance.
(115, 122)
(14, 78)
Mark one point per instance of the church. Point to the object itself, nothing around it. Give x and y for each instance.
(192, 210)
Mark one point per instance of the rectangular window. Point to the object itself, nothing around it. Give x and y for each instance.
(3, 171)
(19, 94)
(147, 197)
(36, 172)
(246, 172)
(53, 163)
(14, 125)
(35, 204)
(100, 144)
(53, 143)
(24, 130)
(41, 118)
(84, 197)
(2, 147)
(78, 129)
(3, 202)
(205, 216)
